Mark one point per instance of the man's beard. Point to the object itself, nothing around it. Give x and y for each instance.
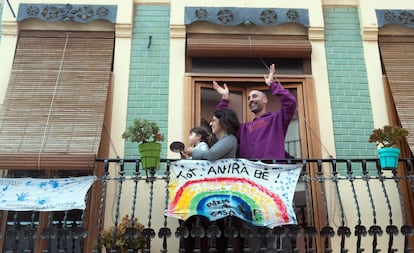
(255, 107)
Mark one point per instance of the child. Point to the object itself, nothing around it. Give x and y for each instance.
(200, 139)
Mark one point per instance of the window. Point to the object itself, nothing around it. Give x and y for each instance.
(53, 111)
(301, 140)
(52, 120)
(237, 62)
(206, 99)
(396, 54)
(396, 57)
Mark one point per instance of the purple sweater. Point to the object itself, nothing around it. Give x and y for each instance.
(264, 137)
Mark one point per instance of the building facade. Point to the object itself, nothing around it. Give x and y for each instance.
(347, 63)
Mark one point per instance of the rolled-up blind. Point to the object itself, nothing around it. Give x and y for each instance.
(397, 53)
(223, 45)
(53, 111)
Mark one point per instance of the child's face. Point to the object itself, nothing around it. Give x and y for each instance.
(194, 138)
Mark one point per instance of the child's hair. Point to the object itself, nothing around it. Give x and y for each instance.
(206, 135)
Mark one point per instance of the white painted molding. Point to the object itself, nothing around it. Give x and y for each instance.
(316, 33)
(177, 31)
(340, 3)
(370, 34)
(123, 30)
(9, 28)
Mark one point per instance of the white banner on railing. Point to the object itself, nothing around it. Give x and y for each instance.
(256, 192)
(44, 194)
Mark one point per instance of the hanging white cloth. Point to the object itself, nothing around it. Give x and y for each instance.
(44, 194)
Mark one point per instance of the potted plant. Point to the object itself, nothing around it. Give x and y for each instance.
(146, 133)
(388, 139)
(128, 236)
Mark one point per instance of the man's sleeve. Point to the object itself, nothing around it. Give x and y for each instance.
(287, 101)
(223, 104)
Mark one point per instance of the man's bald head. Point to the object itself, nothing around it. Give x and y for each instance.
(257, 101)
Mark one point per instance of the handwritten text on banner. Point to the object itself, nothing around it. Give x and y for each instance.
(256, 192)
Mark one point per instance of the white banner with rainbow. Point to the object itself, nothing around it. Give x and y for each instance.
(259, 193)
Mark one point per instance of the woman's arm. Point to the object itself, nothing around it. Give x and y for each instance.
(219, 150)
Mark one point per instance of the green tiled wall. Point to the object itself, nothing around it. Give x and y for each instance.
(350, 98)
(148, 82)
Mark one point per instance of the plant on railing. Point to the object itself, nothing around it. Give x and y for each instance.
(147, 134)
(128, 236)
(142, 130)
(387, 139)
(388, 136)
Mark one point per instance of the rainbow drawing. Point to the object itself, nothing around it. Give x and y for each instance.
(258, 193)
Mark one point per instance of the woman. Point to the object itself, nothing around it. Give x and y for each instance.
(224, 126)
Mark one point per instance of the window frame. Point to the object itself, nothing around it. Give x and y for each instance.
(195, 83)
(71, 162)
(308, 120)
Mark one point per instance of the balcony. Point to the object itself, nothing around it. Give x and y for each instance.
(340, 205)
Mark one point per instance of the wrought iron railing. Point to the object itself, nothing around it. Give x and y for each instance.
(341, 205)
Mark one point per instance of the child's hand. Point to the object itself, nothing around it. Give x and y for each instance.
(188, 151)
(184, 156)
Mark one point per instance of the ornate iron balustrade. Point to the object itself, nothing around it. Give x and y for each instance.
(341, 205)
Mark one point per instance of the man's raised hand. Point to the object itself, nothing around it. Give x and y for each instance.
(271, 77)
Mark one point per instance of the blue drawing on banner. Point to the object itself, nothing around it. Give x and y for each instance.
(42, 184)
(54, 183)
(22, 196)
(28, 183)
(41, 201)
(2, 194)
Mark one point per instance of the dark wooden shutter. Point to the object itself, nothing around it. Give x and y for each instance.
(223, 45)
(397, 53)
(53, 111)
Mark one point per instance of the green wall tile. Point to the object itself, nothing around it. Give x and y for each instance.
(349, 94)
(148, 81)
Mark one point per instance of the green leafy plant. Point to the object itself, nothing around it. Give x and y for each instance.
(128, 236)
(142, 130)
(388, 136)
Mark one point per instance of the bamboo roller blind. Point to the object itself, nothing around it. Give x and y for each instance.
(234, 45)
(55, 101)
(397, 54)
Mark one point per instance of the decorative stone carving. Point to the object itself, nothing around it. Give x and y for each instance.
(246, 16)
(67, 12)
(292, 14)
(224, 16)
(268, 16)
(403, 18)
(201, 13)
(406, 18)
